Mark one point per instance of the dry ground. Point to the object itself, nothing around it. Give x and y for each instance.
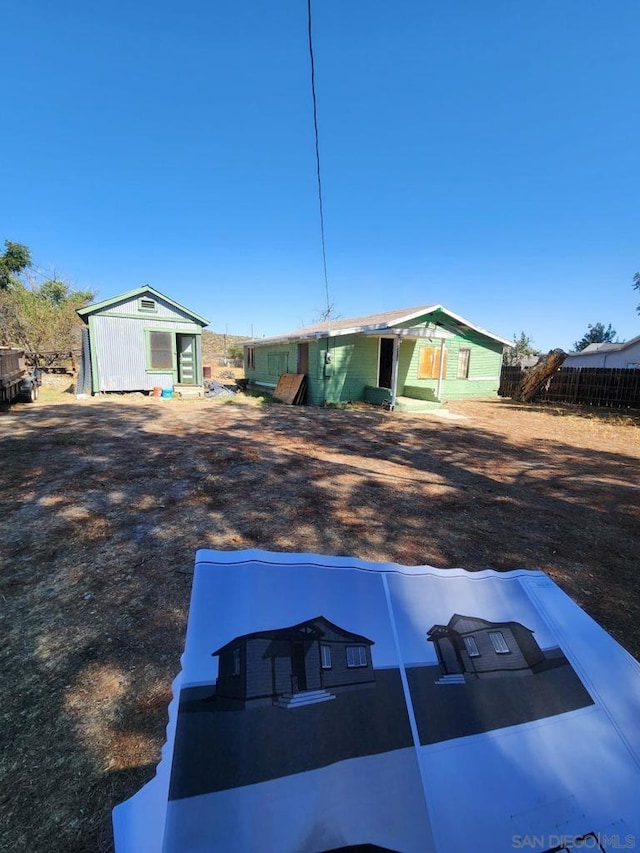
(104, 502)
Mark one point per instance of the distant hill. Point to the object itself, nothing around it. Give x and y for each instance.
(213, 345)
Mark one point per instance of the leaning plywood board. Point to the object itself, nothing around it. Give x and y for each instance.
(326, 703)
(289, 387)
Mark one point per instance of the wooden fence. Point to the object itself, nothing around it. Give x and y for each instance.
(591, 386)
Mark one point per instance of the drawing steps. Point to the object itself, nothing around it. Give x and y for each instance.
(305, 697)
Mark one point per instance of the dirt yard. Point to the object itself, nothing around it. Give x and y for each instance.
(105, 501)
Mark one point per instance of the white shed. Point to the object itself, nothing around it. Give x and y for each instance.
(624, 355)
(140, 340)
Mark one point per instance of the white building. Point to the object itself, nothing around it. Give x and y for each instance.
(625, 355)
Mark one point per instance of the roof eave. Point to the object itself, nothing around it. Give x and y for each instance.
(138, 291)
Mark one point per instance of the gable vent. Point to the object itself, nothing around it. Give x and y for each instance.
(147, 304)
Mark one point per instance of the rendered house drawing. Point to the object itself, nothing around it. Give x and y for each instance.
(471, 647)
(297, 665)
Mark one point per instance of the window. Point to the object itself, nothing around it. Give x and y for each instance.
(251, 358)
(356, 656)
(499, 643)
(160, 351)
(236, 661)
(471, 647)
(429, 363)
(464, 357)
(325, 656)
(147, 304)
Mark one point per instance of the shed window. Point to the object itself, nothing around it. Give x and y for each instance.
(147, 304)
(464, 357)
(236, 661)
(251, 358)
(471, 647)
(429, 363)
(325, 656)
(356, 656)
(499, 643)
(160, 351)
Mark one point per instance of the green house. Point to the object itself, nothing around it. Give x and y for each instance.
(138, 341)
(410, 358)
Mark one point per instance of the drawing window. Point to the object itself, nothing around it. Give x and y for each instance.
(356, 656)
(499, 643)
(251, 358)
(471, 647)
(325, 655)
(236, 661)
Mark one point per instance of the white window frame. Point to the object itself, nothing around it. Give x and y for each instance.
(325, 656)
(356, 656)
(500, 645)
(471, 646)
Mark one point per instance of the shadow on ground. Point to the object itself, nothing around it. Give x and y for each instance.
(104, 505)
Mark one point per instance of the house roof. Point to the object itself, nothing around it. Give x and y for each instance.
(132, 294)
(450, 628)
(605, 346)
(314, 627)
(385, 321)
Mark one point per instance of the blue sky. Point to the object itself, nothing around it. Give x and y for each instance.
(479, 154)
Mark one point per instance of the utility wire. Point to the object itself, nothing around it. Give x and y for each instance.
(315, 127)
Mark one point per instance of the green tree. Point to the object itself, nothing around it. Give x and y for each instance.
(15, 259)
(595, 334)
(39, 318)
(522, 348)
(636, 285)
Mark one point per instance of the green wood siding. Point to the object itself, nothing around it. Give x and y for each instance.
(484, 369)
(354, 366)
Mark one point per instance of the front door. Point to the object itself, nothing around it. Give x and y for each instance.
(385, 367)
(187, 360)
(298, 669)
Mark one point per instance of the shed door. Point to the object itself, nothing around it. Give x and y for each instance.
(187, 359)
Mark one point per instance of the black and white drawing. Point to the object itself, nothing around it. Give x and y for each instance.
(328, 704)
(294, 666)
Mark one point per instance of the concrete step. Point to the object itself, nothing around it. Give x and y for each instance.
(189, 392)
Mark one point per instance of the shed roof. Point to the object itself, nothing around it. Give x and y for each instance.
(385, 321)
(95, 307)
(605, 346)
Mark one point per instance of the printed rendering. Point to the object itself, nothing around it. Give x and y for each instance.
(295, 666)
(489, 675)
(289, 699)
(470, 647)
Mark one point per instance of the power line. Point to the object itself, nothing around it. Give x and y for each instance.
(315, 127)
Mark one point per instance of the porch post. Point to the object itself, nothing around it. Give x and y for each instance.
(441, 371)
(394, 371)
